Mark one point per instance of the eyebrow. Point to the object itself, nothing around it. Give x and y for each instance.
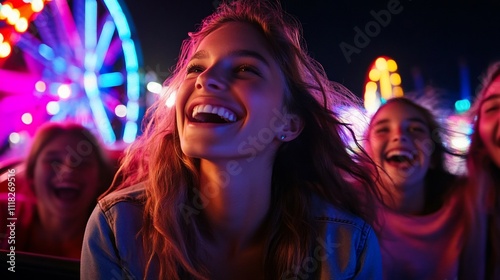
(199, 55)
(55, 155)
(380, 122)
(491, 97)
(202, 54)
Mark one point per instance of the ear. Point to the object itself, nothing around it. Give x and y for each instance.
(291, 129)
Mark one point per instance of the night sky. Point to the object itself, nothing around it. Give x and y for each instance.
(424, 37)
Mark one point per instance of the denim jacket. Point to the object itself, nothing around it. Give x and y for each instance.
(346, 248)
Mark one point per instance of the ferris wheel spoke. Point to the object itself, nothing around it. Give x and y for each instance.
(112, 79)
(44, 28)
(90, 25)
(113, 53)
(97, 108)
(104, 42)
(30, 45)
(90, 35)
(68, 27)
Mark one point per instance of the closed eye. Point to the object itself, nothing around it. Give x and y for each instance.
(491, 108)
(418, 128)
(491, 104)
(381, 130)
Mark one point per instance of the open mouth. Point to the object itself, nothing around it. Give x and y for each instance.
(401, 158)
(67, 192)
(213, 114)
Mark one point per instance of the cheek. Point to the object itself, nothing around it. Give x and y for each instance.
(93, 183)
(485, 131)
(42, 173)
(41, 180)
(92, 174)
(184, 91)
(374, 149)
(181, 99)
(426, 145)
(90, 169)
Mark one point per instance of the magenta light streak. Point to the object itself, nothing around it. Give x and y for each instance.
(68, 29)
(17, 83)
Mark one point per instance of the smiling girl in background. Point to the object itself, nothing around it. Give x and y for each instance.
(483, 162)
(427, 219)
(67, 170)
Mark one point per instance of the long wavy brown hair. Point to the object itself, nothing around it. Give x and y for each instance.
(318, 162)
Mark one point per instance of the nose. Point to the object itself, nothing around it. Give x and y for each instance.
(68, 165)
(211, 79)
(400, 134)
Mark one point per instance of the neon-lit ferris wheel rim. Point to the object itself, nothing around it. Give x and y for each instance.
(80, 61)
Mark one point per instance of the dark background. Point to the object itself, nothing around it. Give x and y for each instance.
(433, 38)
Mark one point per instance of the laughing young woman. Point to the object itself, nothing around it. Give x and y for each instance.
(483, 162)
(67, 169)
(248, 177)
(427, 221)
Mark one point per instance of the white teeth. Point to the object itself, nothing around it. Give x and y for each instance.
(222, 112)
(404, 153)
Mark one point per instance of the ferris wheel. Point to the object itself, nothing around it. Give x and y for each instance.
(70, 60)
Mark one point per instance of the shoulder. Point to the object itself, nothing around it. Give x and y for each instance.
(342, 225)
(327, 213)
(346, 242)
(134, 194)
(121, 210)
(112, 243)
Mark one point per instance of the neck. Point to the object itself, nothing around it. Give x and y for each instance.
(61, 228)
(237, 198)
(51, 238)
(407, 199)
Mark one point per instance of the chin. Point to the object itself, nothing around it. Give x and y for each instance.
(191, 153)
(196, 151)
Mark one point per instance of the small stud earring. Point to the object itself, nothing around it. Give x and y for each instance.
(282, 137)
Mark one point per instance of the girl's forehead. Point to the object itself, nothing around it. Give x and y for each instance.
(396, 112)
(397, 109)
(494, 87)
(65, 142)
